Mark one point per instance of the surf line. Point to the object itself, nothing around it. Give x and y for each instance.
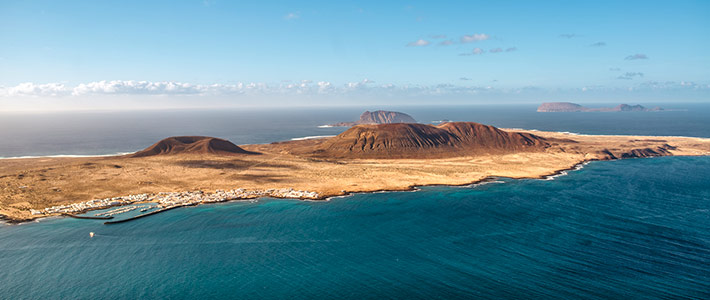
(560, 173)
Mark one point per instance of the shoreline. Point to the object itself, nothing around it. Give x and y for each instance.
(325, 198)
(37, 188)
(67, 156)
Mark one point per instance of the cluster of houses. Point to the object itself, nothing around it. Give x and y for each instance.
(92, 204)
(190, 198)
(172, 199)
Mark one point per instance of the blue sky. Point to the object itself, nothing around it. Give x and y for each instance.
(78, 54)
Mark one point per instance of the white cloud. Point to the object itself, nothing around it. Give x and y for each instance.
(291, 16)
(325, 87)
(476, 37)
(418, 43)
(630, 75)
(475, 51)
(138, 87)
(38, 90)
(636, 56)
(598, 44)
(359, 85)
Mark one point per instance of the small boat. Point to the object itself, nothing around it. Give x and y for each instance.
(91, 234)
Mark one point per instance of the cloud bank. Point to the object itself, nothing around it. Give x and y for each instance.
(286, 90)
(476, 37)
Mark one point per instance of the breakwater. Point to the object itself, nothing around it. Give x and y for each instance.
(143, 215)
(88, 217)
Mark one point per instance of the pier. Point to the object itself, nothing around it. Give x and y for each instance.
(88, 217)
(142, 215)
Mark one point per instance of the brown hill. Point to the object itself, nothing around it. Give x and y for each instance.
(404, 140)
(191, 145)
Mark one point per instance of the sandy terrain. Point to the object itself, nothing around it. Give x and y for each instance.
(43, 182)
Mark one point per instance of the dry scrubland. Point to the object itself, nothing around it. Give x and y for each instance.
(42, 182)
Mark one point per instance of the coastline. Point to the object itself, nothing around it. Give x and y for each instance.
(322, 198)
(67, 156)
(91, 182)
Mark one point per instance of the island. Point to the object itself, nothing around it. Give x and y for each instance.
(193, 170)
(573, 107)
(378, 117)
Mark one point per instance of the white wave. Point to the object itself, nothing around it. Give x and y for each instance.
(339, 197)
(566, 172)
(477, 184)
(325, 126)
(552, 177)
(311, 137)
(65, 155)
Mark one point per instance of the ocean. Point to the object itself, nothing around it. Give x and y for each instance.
(634, 229)
(101, 133)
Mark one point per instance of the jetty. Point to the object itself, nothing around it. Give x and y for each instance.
(88, 217)
(143, 215)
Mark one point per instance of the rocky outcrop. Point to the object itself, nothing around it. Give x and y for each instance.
(560, 107)
(191, 145)
(379, 117)
(573, 107)
(607, 154)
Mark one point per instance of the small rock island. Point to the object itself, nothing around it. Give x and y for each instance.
(573, 107)
(378, 117)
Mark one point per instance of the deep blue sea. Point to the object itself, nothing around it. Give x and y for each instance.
(627, 229)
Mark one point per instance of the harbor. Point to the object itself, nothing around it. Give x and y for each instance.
(164, 201)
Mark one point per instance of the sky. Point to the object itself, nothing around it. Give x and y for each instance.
(75, 55)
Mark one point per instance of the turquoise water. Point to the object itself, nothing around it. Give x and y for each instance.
(629, 229)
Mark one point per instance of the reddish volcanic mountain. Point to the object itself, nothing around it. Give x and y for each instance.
(402, 140)
(192, 145)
